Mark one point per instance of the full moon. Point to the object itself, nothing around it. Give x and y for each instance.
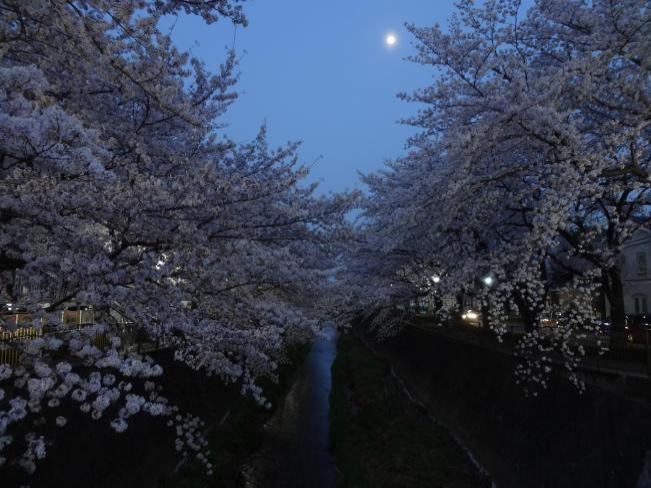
(391, 40)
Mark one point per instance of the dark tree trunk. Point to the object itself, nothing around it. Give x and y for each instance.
(102, 314)
(530, 315)
(601, 303)
(614, 291)
(459, 298)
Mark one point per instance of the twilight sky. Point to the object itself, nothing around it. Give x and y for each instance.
(320, 72)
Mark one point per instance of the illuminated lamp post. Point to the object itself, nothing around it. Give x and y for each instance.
(435, 279)
(488, 281)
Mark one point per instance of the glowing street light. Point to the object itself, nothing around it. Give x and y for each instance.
(470, 315)
(436, 279)
(488, 280)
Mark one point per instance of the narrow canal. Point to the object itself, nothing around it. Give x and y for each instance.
(295, 453)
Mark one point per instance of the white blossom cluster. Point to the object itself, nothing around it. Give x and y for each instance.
(120, 190)
(531, 167)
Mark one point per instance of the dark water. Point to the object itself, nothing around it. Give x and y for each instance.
(295, 453)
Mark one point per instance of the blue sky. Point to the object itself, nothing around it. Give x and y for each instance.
(320, 72)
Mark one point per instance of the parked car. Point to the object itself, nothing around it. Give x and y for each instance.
(637, 327)
(13, 316)
(11, 308)
(548, 322)
(471, 317)
(604, 326)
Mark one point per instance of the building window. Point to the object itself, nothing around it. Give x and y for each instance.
(640, 304)
(641, 264)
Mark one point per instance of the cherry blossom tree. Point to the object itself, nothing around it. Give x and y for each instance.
(532, 156)
(119, 190)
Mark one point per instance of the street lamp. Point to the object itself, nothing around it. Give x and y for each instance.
(488, 281)
(433, 292)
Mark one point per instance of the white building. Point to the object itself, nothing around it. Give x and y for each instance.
(636, 275)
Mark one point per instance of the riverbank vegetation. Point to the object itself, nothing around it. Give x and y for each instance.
(237, 434)
(379, 437)
(144, 455)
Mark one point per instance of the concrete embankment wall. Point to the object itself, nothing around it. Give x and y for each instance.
(559, 439)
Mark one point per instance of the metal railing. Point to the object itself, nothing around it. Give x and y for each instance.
(614, 352)
(71, 320)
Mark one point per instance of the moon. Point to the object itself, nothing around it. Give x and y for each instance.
(391, 40)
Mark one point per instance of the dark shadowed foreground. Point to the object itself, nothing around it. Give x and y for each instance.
(295, 453)
(559, 439)
(89, 454)
(381, 438)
